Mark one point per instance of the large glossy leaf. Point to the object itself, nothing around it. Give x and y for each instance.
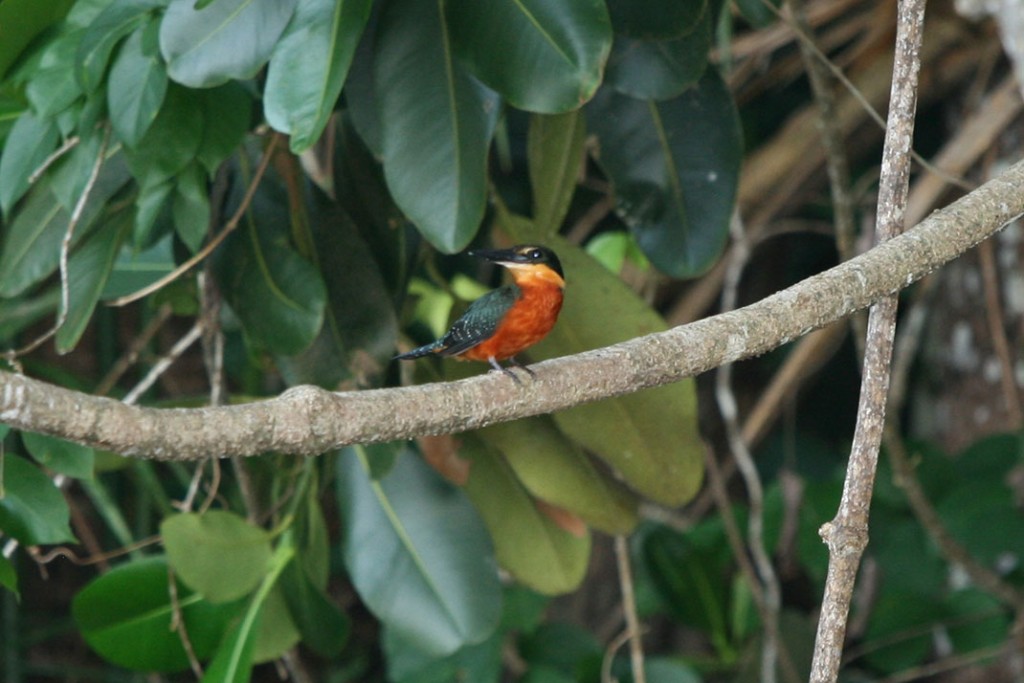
(655, 19)
(418, 554)
(137, 85)
(125, 616)
(675, 167)
(61, 456)
(172, 140)
(234, 658)
(555, 152)
(32, 509)
(555, 470)
(31, 140)
(357, 340)
(279, 296)
(324, 627)
(649, 437)
(660, 69)
(31, 249)
(309, 65)
(218, 553)
(437, 122)
(227, 111)
(541, 55)
(529, 545)
(119, 19)
(21, 21)
(224, 40)
(52, 87)
(88, 270)
(8, 577)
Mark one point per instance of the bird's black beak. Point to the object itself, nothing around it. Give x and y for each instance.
(498, 255)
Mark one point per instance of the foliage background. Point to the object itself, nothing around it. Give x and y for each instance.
(318, 160)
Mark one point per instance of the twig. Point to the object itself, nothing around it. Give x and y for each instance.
(65, 250)
(770, 595)
(636, 651)
(846, 535)
(232, 224)
(165, 362)
(997, 332)
(68, 145)
(163, 314)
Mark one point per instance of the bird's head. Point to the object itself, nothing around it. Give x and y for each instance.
(526, 261)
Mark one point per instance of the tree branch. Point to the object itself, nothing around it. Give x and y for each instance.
(308, 420)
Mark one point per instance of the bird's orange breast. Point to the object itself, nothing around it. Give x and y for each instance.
(526, 323)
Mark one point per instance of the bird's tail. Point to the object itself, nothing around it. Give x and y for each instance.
(435, 347)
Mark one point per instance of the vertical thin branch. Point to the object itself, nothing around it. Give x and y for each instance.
(636, 651)
(65, 251)
(847, 534)
(770, 595)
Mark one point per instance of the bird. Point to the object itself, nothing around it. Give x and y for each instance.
(507, 320)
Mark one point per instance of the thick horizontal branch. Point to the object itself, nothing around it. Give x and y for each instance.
(308, 420)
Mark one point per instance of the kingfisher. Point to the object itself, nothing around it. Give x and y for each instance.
(509, 319)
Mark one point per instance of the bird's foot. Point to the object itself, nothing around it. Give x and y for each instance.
(515, 378)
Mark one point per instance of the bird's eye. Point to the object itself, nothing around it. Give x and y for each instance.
(534, 255)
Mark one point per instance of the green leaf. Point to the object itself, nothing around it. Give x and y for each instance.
(125, 616)
(543, 56)
(21, 21)
(226, 113)
(528, 543)
(323, 626)
(32, 509)
(977, 620)
(134, 269)
(277, 632)
(31, 250)
(691, 577)
(119, 19)
(172, 140)
(278, 295)
(31, 140)
(413, 539)
(191, 206)
(224, 40)
(899, 633)
(150, 222)
(557, 471)
(59, 455)
(8, 577)
(559, 647)
(88, 270)
(649, 437)
(309, 65)
(232, 663)
(656, 19)
(659, 69)
(17, 314)
(675, 168)
(357, 341)
(437, 122)
(52, 87)
(218, 553)
(234, 658)
(137, 86)
(555, 152)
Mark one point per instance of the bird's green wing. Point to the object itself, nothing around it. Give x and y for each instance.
(480, 320)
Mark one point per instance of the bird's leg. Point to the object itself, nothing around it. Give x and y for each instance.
(515, 361)
(497, 366)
